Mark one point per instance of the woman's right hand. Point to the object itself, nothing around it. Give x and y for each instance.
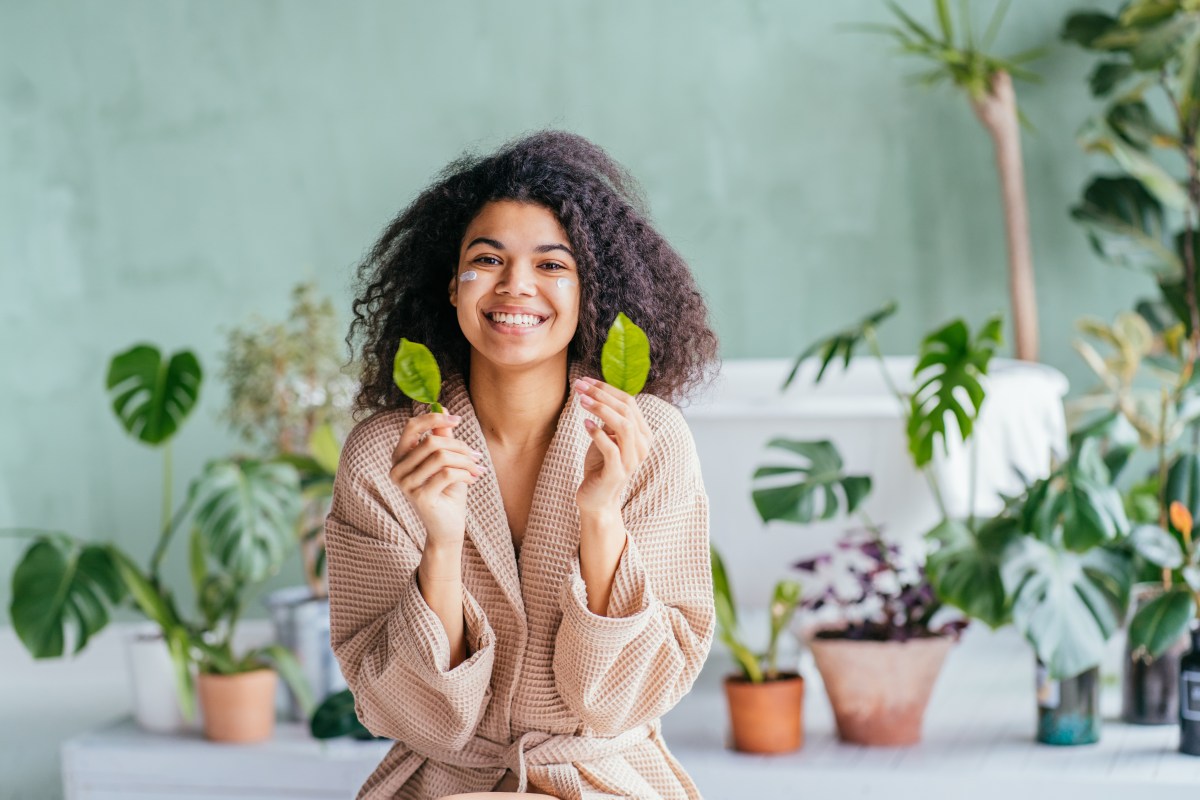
(434, 471)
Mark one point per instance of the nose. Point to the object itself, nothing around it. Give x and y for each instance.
(518, 279)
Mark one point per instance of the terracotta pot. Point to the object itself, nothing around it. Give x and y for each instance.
(766, 717)
(238, 708)
(879, 690)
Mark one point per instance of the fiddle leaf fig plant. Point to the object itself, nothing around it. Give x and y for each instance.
(416, 373)
(625, 357)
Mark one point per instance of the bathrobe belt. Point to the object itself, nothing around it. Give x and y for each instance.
(538, 749)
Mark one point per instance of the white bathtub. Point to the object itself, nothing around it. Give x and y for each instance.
(1020, 426)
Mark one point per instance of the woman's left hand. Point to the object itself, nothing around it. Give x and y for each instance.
(618, 448)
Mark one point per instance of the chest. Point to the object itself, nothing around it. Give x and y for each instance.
(517, 476)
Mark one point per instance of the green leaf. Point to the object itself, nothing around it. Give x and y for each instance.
(325, 449)
(1066, 604)
(943, 14)
(1098, 137)
(723, 590)
(247, 513)
(964, 570)
(950, 365)
(293, 675)
(1183, 483)
(1157, 546)
(1159, 624)
(843, 343)
(155, 603)
(1134, 122)
(60, 584)
(727, 629)
(1084, 28)
(1157, 46)
(814, 497)
(150, 398)
(1107, 75)
(1141, 13)
(337, 716)
(1125, 224)
(625, 357)
(416, 373)
(197, 559)
(178, 642)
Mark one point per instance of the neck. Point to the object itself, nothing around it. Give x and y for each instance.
(518, 407)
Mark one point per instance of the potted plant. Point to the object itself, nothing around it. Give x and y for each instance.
(1144, 217)
(288, 401)
(988, 83)
(880, 652)
(766, 704)
(64, 587)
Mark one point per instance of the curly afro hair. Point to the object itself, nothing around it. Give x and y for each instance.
(624, 265)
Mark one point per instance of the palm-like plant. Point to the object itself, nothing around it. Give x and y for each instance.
(987, 79)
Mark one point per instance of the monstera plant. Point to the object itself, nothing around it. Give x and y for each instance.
(241, 515)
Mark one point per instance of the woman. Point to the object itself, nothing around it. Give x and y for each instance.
(520, 587)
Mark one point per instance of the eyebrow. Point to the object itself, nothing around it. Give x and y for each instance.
(541, 248)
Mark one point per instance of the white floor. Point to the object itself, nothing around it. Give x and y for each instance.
(978, 735)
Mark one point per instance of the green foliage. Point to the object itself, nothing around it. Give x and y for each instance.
(150, 398)
(964, 568)
(337, 716)
(950, 365)
(625, 357)
(416, 373)
(286, 378)
(786, 595)
(61, 584)
(1125, 226)
(814, 497)
(961, 61)
(843, 343)
(1161, 622)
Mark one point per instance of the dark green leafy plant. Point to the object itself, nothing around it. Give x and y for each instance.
(1162, 621)
(756, 667)
(814, 497)
(336, 717)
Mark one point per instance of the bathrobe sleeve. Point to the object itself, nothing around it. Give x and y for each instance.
(624, 669)
(392, 648)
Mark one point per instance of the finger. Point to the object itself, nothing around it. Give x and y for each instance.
(418, 426)
(442, 459)
(614, 419)
(419, 451)
(599, 388)
(604, 443)
(445, 478)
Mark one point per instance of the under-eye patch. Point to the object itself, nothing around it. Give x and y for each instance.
(563, 283)
(469, 275)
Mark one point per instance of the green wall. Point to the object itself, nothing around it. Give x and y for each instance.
(169, 168)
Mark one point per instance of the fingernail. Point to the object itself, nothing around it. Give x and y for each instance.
(587, 423)
(455, 418)
(581, 384)
(585, 400)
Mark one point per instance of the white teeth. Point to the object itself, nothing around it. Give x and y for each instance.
(526, 320)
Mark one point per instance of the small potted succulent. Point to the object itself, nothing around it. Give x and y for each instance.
(766, 704)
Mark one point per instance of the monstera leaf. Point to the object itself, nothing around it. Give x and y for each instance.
(1125, 226)
(152, 399)
(814, 497)
(843, 343)
(61, 584)
(246, 512)
(950, 366)
(964, 568)
(1066, 604)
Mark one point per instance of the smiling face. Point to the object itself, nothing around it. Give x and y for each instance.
(521, 308)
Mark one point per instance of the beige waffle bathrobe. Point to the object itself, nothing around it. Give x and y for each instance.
(567, 700)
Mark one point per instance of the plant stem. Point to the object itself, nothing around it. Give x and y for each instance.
(1187, 139)
(997, 110)
(166, 496)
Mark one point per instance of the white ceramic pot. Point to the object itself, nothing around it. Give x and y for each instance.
(152, 681)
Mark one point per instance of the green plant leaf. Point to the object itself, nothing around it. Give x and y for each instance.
(1084, 28)
(293, 675)
(727, 628)
(325, 449)
(814, 497)
(843, 343)
(1142, 13)
(150, 398)
(416, 373)
(964, 569)
(1159, 624)
(1183, 483)
(1097, 136)
(154, 602)
(1107, 76)
(247, 513)
(1066, 604)
(625, 357)
(337, 716)
(950, 366)
(60, 584)
(1125, 226)
(1158, 45)
(178, 646)
(1157, 546)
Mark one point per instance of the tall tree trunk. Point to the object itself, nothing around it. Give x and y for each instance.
(998, 112)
